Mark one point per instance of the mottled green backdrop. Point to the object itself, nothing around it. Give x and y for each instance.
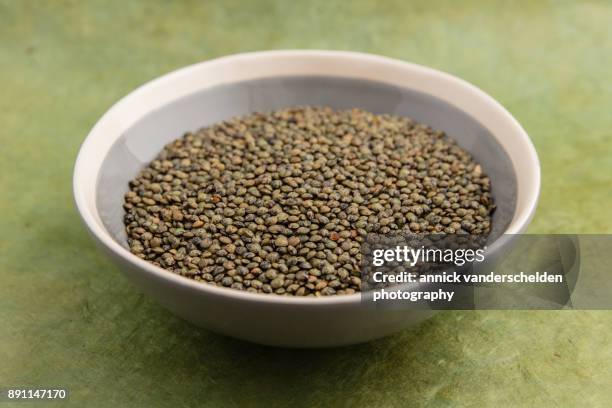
(68, 318)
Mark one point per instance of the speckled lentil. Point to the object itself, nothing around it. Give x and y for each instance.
(280, 202)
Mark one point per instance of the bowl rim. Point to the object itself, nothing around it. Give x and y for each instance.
(89, 212)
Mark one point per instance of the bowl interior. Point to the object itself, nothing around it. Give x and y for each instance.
(141, 142)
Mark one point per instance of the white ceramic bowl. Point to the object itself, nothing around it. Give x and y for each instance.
(135, 129)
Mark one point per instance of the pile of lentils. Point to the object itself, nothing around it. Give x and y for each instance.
(281, 202)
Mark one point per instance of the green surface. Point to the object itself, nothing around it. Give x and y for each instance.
(70, 319)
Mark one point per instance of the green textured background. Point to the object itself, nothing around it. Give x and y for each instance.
(68, 318)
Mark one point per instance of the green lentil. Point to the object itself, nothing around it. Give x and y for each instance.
(280, 202)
